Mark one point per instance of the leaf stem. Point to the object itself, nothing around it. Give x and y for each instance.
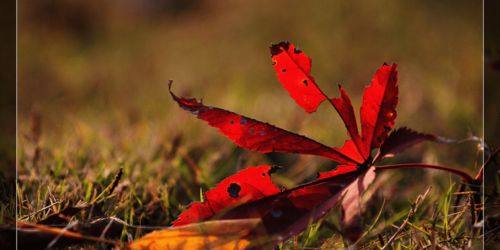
(465, 176)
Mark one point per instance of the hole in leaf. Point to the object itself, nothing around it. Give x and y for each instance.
(234, 190)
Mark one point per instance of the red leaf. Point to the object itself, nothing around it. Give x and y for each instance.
(403, 138)
(254, 135)
(293, 68)
(250, 193)
(247, 185)
(309, 195)
(346, 111)
(289, 212)
(349, 149)
(344, 107)
(378, 110)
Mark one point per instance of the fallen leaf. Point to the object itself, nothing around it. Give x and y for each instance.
(221, 234)
(288, 212)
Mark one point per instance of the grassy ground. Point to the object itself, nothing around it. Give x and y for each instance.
(93, 99)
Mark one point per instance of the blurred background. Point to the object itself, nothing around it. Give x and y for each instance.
(93, 81)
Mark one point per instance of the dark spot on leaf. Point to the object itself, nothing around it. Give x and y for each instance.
(305, 82)
(243, 121)
(262, 133)
(387, 128)
(234, 190)
(232, 122)
(283, 70)
(264, 174)
(276, 213)
(276, 48)
(251, 131)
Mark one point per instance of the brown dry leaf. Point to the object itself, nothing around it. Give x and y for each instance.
(38, 236)
(220, 234)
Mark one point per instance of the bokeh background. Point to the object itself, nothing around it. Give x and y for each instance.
(89, 63)
(93, 76)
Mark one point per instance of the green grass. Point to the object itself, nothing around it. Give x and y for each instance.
(154, 190)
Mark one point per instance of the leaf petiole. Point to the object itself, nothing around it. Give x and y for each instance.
(465, 176)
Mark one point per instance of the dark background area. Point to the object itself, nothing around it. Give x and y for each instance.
(492, 73)
(492, 118)
(7, 102)
(8, 88)
(8, 121)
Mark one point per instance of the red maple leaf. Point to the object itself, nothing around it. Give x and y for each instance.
(251, 193)
(293, 67)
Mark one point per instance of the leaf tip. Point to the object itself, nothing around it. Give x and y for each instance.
(170, 83)
(392, 66)
(276, 48)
